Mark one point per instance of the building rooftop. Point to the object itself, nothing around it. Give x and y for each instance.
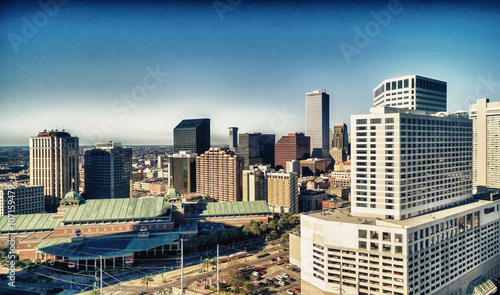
(344, 215)
(216, 209)
(191, 123)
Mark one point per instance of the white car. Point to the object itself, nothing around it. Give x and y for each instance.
(282, 283)
(278, 277)
(289, 291)
(255, 273)
(284, 275)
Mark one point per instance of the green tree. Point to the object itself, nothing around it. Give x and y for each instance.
(272, 225)
(146, 280)
(273, 234)
(205, 263)
(263, 227)
(284, 238)
(247, 231)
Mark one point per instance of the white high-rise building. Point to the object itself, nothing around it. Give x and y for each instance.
(485, 117)
(254, 183)
(54, 165)
(318, 123)
(405, 163)
(413, 92)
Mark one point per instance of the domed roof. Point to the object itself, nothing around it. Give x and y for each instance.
(172, 193)
(72, 196)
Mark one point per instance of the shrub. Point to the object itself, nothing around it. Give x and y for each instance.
(263, 255)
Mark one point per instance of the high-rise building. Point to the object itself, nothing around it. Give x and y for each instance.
(233, 139)
(405, 162)
(54, 165)
(108, 171)
(283, 192)
(192, 135)
(256, 148)
(218, 175)
(294, 146)
(183, 172)
(318, 123)
(254, 183)
(412, 92)
(485, 117)
(340, 147)
(16, 199)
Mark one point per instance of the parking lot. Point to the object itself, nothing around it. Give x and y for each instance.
(275, 279)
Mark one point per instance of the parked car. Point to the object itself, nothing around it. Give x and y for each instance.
(282, 283)
(289, 266)
(262, 272)
(289, 291)
(285, 275)
(255, 273)
(296, 289)
(278, 277)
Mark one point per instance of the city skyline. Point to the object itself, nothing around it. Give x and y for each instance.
(242, 64)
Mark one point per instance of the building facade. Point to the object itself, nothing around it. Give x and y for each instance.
(318, 123)
(183, 172)
(282, 192)
(413, 92)
(54, 165)
(21, 199)
(218, 175)
(405, 163)
(254, 183)
(294, 146)
(311, 200)
(256, 148)
(108, 171)
(192, 135)
(233, 139)
(485, 117)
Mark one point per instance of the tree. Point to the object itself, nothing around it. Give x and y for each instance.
(273, 234)
(284, 238)
(246, 231)
(146, 280)
(263, 227)
(205, 263)
(272, 225)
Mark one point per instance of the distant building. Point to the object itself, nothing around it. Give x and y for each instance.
(183, 172)
(318, 123)
(54, 165)
(340, 178)
(412, 92)
(108, 171)
(485, 117)
(282, 192)
(256, 148)
(293, 166)
(254, 183)
(314, 167)
(311, 200)
(294, 146)
(233, 139)
(192, 135)
(24, 199)
(218, 175)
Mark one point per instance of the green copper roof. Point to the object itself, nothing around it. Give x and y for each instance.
(113, 209)
(92, 248)
(72, 196)
(29, 222)
(226, 209)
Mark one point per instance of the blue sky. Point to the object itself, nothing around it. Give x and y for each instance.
(130, 71)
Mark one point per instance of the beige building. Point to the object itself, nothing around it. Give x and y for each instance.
(283, 192)
(254, 183)
(21, 199)
(218, 175)
(54, 165)
(485, 117)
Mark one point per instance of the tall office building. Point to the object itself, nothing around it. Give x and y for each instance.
(233, 139)
(413, 92)
(413, 227)
(283, 192)
(183, 172)
(54, 165)
(294, 146)
(254, 183)
(218, 175)
(485, 117)
(19, 199)
(406, 163)
(340, 149)
(192, 135)
(318, 123)
(256, 148)
(108, 171)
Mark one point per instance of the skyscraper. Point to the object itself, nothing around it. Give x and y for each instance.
(183, 172)
(405, 162)
(340, 149)
(254, 183)
(485, 117)
(218, 175)
(192, 135)
(54, 165)
(283, 192)
(108, 171)
(256, 148)
(318, 123)
(412, 92)
(233, 139)
(21, 199)
(294, 146)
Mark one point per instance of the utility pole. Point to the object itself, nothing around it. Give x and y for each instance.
(100, 258)
(182, 266)
(217, 269)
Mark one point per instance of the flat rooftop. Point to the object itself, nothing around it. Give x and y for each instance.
(344, 215)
